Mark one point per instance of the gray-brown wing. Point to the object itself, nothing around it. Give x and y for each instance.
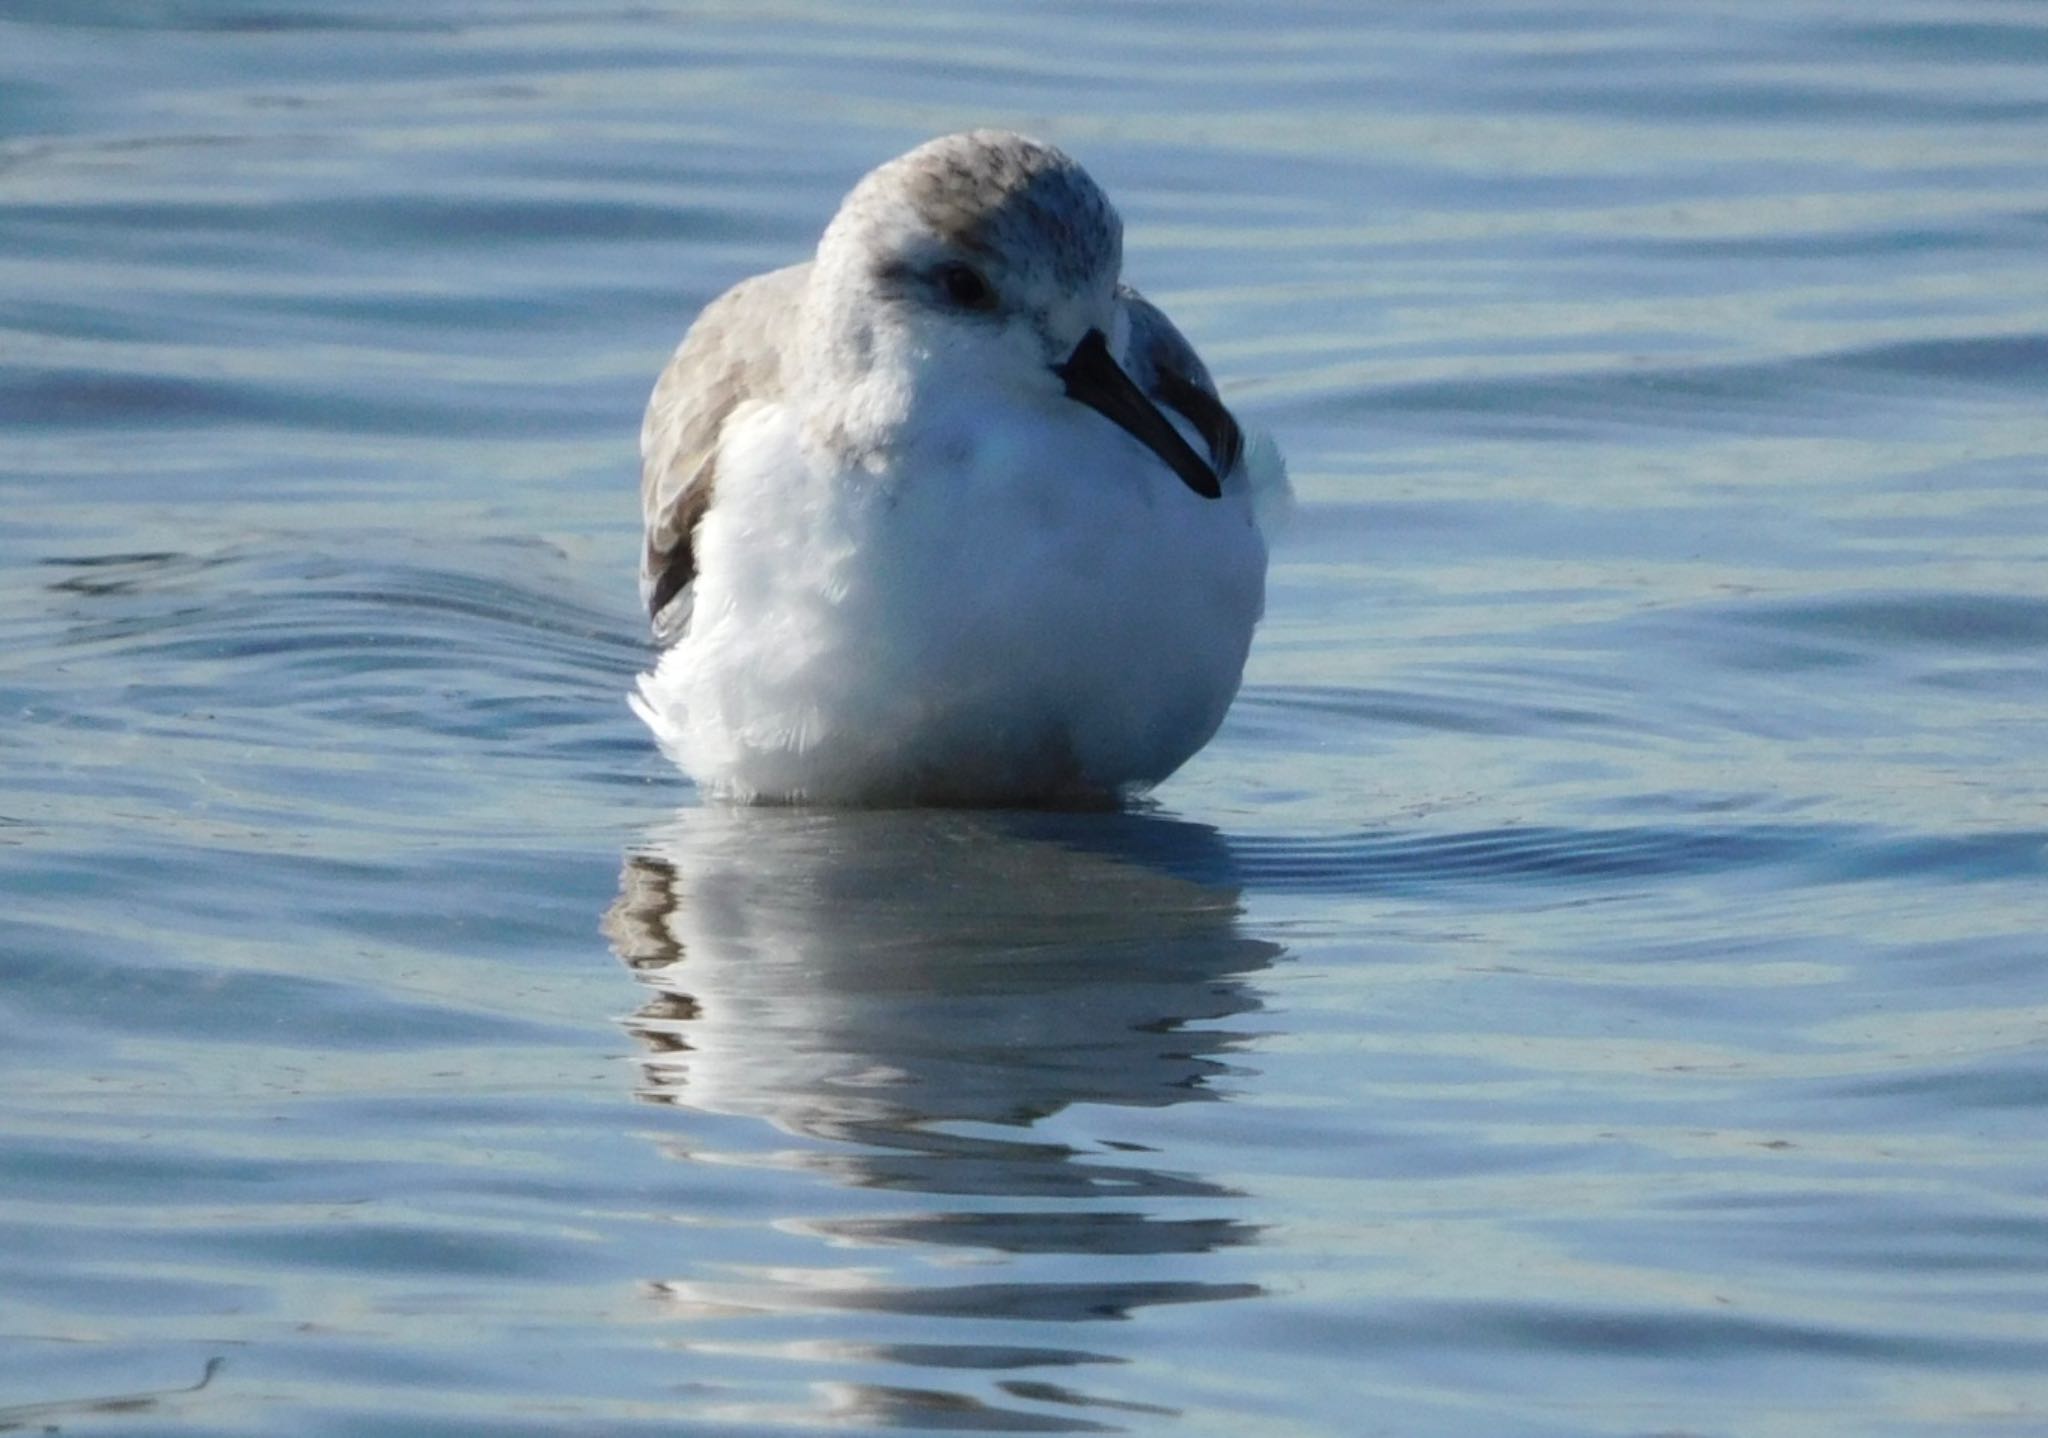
(1166, 367)
(733, 353)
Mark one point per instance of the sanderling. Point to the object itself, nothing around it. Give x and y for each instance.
(948, 514)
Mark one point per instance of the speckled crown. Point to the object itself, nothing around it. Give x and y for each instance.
(991, 193)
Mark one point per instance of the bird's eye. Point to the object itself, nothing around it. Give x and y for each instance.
(964, 287)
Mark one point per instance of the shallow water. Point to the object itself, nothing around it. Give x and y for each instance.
(1594, 984)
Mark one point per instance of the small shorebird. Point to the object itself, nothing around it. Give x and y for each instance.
(948, 514)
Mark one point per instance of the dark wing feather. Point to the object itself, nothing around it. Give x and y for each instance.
(1166, 367)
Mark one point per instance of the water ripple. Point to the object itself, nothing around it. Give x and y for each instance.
(1454, 865)
(1592, 984)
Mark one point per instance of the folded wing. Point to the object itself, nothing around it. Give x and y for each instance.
(1167, 368)
(729, 356)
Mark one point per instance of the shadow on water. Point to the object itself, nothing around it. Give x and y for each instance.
(905, 998)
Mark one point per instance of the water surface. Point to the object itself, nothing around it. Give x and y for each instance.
(1593, 985)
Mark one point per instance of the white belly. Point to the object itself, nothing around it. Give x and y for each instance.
(1042, 613)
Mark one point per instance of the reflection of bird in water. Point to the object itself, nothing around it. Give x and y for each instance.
(873, 975)
(906, 994)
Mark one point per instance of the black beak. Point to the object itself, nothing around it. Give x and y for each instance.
(1093, 377)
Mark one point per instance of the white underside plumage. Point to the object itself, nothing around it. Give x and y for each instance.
(1020, 603)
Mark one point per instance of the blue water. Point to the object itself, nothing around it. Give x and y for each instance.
(1595, 984)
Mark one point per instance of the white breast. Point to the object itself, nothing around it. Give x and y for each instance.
(1019, 605)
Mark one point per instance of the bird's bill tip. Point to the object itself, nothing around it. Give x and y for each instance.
(1094, 378)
